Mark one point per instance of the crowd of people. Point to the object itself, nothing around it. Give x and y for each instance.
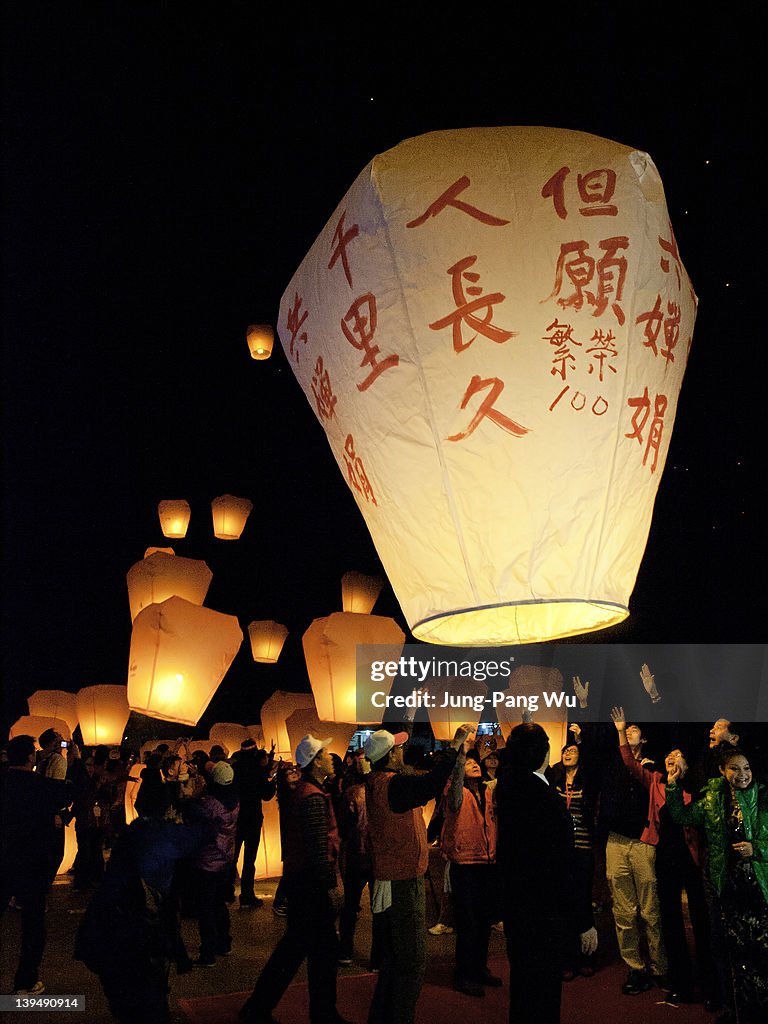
(531, 843)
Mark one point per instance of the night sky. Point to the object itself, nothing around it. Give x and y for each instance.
(166, 168)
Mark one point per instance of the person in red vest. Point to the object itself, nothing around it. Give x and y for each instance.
(394, 798)
(310, 840)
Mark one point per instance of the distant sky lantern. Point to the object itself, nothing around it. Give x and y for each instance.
(261, 338)
(35, 725)
(174, 518)
(55, 704)
(305, 720)
(492, 329)
(342, 687)
(274, 712)
(103, 713)
(229, 516)
(267, 639)
(229, 735)
(179, 655)
(446, 720)
(359, 593)
(529, 683)
(153, 551)
(159, 576)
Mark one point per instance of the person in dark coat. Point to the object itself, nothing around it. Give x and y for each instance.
(254, 782)
(535, 854)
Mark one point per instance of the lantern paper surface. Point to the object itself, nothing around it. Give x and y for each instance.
(269, 857)
(359, 592)
(35, 725)
(274, 713)
(261, 339)
(159, 576)
(179, 656)
(55, 704)
(300, 723)
(337, 673)
(532, 682)
(257, 733)
(228, 735)
(492, 329)
(445, 721)
(174, 517)
(267, 639)
(103, 712)
(229, 516)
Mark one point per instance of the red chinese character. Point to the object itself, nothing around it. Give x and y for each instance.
(581, 269)
(602, 350)
(486, 408)
(341, 240)
(560, 340)
(642, 407)
(294, 326)
(467, 307)
(359, 327)
(596, 188)
(449, 198)
(323, 392)
(652, 320)
(671, 332)
(670, 247)
(356, 471)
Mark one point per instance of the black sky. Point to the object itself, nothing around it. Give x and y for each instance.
(166, 168)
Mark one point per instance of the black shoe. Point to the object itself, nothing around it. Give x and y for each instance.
(344, 961)
(204, 962)
(490, 980)
(637, 982)
(279, 909)
(251, 901)
(253, 1016)
(469, 988)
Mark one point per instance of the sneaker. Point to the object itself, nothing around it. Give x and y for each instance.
(344, 961)
(279, 909)
(440, 929)
(37, 989)
(637, 982)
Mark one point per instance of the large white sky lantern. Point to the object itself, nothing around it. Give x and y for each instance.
(55, 704)
(179, 654)
(492, 329)
(274, 713)
(160, 575)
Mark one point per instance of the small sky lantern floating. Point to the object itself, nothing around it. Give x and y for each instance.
(461, 696)
(179, 654)
(229, 516)
(159, 576)
(261, 338)
(300, 723)
(267, 639)
(492, 329)
(55, 704)
(35, 725)
(174, 517)
(359, 593)
(274, 712)
(103, 713)
(339, 651)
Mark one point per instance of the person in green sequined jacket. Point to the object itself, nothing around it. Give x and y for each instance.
(733, 812)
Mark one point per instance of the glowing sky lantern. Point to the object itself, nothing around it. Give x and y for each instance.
(103, 713)
(261, 338)
(274, 712)
(269, 858)
(339, 668)
(179, 656)
(267, 639)
(257, 733)
(228, 735)
(174, 517)
(446, 720)
(492, 329)
(35, 725)
(159, 576)
(528, 682)
(55, 704)
(300, 723)
(359, 592)
(229, 516)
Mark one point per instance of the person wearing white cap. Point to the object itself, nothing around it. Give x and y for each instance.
(394, 799)
(310, 856)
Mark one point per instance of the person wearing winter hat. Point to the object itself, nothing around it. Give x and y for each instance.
(398, 835)
(310, 840)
